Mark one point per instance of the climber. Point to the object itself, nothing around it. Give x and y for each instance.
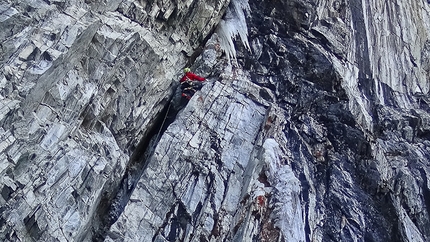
(190, 83)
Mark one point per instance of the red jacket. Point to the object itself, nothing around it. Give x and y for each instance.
(191, 76)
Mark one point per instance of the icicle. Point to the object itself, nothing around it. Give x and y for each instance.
(287, 211)
(233, 24)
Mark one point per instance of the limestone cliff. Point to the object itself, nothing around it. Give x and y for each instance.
(313, 123)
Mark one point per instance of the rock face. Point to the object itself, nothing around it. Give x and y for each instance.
(315, 127)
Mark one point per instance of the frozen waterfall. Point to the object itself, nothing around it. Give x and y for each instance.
(233, 24)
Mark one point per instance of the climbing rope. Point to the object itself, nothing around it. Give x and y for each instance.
(162, 124)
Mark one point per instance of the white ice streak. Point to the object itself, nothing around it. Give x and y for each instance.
(233, 24)
(288, 214)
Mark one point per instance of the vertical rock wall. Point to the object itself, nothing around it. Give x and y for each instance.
(192, 185)
(341, 150)
(386, 80)
(81, 83)
(319, 132)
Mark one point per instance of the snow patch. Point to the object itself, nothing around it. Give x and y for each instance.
(233, 24)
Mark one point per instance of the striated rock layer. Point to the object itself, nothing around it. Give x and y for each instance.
(82, 83)
(315, 127)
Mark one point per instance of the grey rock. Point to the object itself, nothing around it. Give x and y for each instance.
(316, 131)
(69, 91)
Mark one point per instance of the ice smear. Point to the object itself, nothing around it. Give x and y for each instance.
(233, 24)
(287, 211)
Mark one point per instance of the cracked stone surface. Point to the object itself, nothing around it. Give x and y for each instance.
(76, 99)
(319, 131)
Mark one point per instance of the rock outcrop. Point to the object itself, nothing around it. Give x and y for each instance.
(315, 127)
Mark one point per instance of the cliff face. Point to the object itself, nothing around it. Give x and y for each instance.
(314, 127)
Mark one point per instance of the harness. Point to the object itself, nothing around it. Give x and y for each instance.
(186, 84)
(189, 87)
(189, 84)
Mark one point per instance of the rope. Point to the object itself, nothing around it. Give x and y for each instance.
(162, 124)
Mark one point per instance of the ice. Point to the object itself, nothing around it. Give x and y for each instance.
(287, 211)
(233, 24)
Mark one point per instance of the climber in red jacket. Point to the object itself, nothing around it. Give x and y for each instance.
(190, 83)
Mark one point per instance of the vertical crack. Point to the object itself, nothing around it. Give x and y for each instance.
(176, 220)
(113, 203)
